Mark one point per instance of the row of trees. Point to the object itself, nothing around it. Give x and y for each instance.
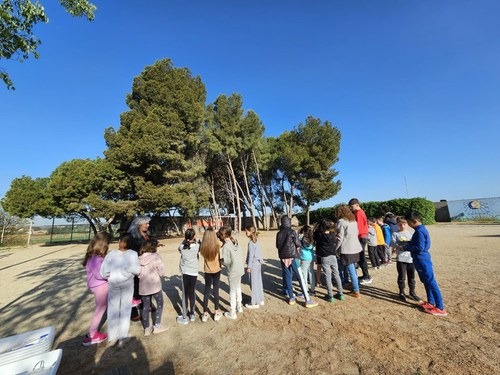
(175, 155)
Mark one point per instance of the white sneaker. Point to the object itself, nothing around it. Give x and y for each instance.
(230, 315)
(182, 320)
(262, 303)
(366, 281)
(217, 316)
(147, 331)
(239, 308)
(159, 329)
(192, 318)
(250, 306)
(204, 317)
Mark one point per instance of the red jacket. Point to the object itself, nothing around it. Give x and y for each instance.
(362, 223)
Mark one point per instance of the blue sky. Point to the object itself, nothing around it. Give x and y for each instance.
(414, 86)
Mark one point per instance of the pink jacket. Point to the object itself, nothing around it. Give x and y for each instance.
(152, 270)
(93, 267)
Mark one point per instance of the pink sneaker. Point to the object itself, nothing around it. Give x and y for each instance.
(96, 339)
(136, 302)
(436, 312)
(427, 305)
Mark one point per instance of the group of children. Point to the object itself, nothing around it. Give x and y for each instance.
(110, 277)
(336, 248)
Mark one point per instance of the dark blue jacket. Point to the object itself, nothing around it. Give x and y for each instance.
(419, 244)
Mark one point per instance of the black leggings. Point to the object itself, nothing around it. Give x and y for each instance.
(189, 291)
(406, 269)
(211, 278)
(146, 307)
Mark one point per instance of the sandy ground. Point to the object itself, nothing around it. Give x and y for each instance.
(376, 334)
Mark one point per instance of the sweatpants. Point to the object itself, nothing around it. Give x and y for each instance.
(146, 308)
(189, 283)
(101, 303)
(119, 307)
(308, 273)
(388, 253)
(374, 258)
(362, 261)
(329, 264)
(235, 293)
(211, 278)
(426, 275)
(381, 253)
(256, 283)
(405, 269)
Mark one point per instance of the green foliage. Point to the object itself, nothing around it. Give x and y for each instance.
(17, 20)
(398, 207)
(92, 189)
(28, 197)
(157, 143)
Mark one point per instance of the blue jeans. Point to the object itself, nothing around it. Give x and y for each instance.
(307, 269)
(426, 275)
(288, 274)
(344, 277)
(354, 278)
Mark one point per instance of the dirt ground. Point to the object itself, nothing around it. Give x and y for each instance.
(377, 334)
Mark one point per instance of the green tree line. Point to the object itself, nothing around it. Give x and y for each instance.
(174, 154)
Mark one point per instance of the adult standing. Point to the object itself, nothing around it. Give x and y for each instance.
(348, 244)
(139, 231)
(362, 223)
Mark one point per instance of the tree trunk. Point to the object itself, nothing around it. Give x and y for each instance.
(216, 207)
(92, 226)
(235, 183)
(308, 210)
(249, 195)
(290, 211)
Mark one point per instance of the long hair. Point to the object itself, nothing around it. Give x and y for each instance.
(133, 230)
(253, 233)
(225, 233)
(210, 245)
(97, 246)
(188, 238)
(308, 237)
(149, 247)
(343, 212)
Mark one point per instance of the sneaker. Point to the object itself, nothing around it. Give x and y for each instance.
(378, 267)
(310, 304)
(354, 294)
(217, 316)
(96, 339)
(159, 329)
(436, 312)
(291, 301)
(230, 315)
(192, 317)
(300, 295)
(340, 296)
(182, 320)
(136, 302)
(204, 317)
(402, 297)
(250, 306)
(427, 305)
(366, 281)
(147, 331)
(414, 297)
(262, 303)
(330, 299)
(239, 308)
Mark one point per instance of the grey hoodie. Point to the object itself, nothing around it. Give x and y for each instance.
(233, 259)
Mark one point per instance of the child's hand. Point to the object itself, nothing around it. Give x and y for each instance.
(249, 270)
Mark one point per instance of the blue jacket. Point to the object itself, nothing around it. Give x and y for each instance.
(386, 229)
(419, 244)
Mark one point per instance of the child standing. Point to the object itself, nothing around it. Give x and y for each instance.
(419, 247)
(98, 285)
(254, 262)
(372, 243)
(307, 257)
(119, 267)
(326, 243)
(152, 270)
(188, 265)
(404, 262)
(233, 260)
(380, 242)
(210, 250)
(386, 230)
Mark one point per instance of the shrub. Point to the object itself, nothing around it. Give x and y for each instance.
(398, 207)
